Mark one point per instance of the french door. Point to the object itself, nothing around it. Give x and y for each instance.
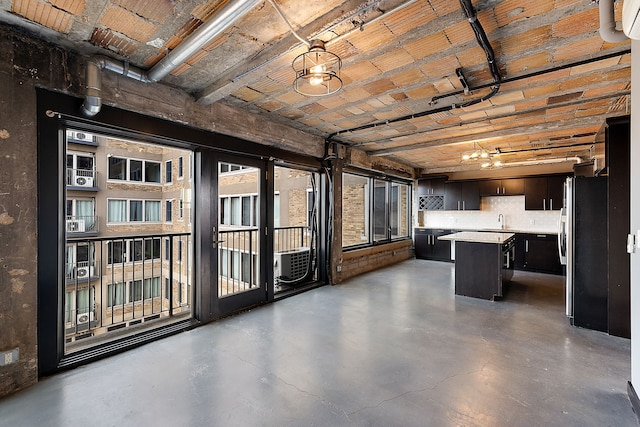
(235, 227)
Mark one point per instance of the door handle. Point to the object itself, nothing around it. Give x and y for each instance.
(544, 204)
(551, 203)
(463, 207)
(526, 246)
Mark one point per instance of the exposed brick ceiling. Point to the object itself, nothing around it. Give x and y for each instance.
(556, 95)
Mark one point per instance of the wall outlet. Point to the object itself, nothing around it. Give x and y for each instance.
(10, 356)
(339, 268)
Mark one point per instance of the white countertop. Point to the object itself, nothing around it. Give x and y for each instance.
(496, 230)
(478, 237)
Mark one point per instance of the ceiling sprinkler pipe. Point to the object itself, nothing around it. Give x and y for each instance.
(608, 30)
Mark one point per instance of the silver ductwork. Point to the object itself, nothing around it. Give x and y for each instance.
(608, 30)
(93, 78)
(221, 21)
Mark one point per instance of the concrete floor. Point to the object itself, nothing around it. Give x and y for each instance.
(390, 348)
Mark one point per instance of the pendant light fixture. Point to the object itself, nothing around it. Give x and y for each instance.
(317, 70)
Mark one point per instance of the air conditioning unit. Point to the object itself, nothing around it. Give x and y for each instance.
(84, 272)
(84, 181)
(80, 136)
(84, 318)
(631, 18)
(75, 225)
(291, 265)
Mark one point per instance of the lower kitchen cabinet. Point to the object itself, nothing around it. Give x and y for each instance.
(538, 253)
(428, 246)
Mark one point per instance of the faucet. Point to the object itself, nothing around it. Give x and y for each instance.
(501, 221)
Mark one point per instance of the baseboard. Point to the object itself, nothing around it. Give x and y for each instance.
(633, 397)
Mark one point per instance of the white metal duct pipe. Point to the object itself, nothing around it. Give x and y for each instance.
(608, 30)
(93, 77)
(222, 20)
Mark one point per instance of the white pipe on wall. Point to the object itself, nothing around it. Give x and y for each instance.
(608, 30)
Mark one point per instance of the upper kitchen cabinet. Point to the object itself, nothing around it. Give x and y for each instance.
(544, 193)
(431, 194)
(431, 186)
(502, 187)
(462, 196)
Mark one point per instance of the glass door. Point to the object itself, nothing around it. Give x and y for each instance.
(238, 234)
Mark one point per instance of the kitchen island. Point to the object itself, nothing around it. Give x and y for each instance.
(483, 262)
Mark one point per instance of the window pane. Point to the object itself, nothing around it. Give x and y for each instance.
(135, 291)
(180, 167)
(82, 253)
(235, 211)
(380, 203)
(151, 171)
(246, 267)
(355, 210)
(135, 210)
(151, 248)
(152, 210)
(168, 166)
(224, 211)
(117, 168)
(168, 211)
(115, 252)
(84, 163)
(400, 209)
(115, 294)
(135, 170)
(68, 307)
(136, 250)
(117, 211)
(246, 210)
(276, 210)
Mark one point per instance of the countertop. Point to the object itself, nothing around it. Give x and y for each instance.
(496, 230)
(478, 237)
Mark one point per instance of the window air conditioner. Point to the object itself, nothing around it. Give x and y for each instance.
(291, 265)
(631, 18)
(84, 272)
(84, 181)
(75, 225)
(79, 136)
(84, 318)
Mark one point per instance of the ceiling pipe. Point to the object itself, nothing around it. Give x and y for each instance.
(608, 30)
(221, 21)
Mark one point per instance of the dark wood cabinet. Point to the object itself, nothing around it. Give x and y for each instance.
(431, 186)
(538, 253)
(462, 196)
(501, 187)
(555, 191)
(512, 187)
(544, 193)
(428, 246)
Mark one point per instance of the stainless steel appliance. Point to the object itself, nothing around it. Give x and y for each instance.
(565, 243)
(582, 242)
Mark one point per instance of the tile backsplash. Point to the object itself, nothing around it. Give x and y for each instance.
(511, 208)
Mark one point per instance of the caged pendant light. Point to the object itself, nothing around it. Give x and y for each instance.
(317, 71)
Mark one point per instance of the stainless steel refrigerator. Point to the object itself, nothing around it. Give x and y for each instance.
(582, 242)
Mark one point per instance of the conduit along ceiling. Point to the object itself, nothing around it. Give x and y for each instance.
(414, 72)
